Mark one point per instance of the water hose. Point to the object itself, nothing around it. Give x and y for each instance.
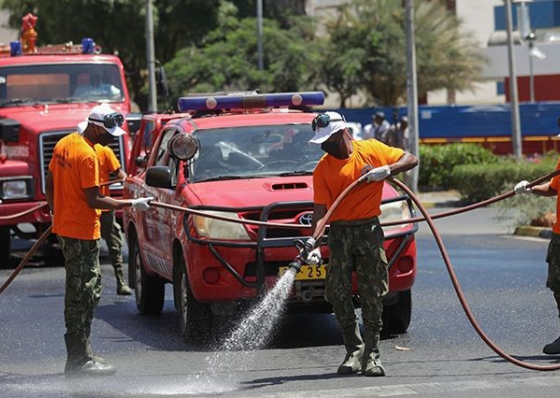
(319, 231)
(459, 292)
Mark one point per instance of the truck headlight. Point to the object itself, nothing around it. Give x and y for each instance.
(217, 229)
(16, 189)
(394, 211)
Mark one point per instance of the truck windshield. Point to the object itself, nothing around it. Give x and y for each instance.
(60, 83)
(255, 151)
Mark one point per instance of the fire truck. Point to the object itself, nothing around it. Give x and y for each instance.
(44, 93)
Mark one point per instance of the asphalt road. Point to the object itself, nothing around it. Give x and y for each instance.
(441, 356)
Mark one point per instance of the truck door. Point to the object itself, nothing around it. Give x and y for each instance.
(159, 222)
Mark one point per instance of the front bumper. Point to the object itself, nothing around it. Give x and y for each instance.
(250, 268)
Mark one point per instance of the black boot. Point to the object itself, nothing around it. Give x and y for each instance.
(371, 364)
(354, 350)
(122, 286)
(79, 361)
(552, 348)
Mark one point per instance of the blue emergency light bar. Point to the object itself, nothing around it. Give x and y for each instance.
(250, 101)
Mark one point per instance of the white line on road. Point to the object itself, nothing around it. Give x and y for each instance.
(422, 388)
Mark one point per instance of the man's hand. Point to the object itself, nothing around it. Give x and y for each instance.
(522, 188)
(141, 203)
(376, 174)
(313, 257)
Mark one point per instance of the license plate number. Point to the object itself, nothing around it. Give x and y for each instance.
(307, 272)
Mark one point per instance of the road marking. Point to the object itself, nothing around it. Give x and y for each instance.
(399, 390)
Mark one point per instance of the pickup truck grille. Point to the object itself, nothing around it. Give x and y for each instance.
(281, 216)
(47, 142)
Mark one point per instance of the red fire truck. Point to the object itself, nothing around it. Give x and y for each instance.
(44, 93)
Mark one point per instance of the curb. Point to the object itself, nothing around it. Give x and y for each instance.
(536, 232)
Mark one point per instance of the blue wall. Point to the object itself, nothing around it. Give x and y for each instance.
(543, 14)
(471, 121)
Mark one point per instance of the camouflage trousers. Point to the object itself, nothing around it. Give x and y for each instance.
(553, 260)
(83, 284)
(111, 233)
(357, 245)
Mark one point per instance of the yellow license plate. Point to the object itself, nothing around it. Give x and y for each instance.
(307, 272)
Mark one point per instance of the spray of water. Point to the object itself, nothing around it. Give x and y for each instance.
(254, 331)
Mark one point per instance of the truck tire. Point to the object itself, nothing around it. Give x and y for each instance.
(5, 246)
(195, 318)
(396, 317)
(149, 291)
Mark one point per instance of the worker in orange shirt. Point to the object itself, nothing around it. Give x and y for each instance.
(355, 235)
(72, 191)
(110, 228)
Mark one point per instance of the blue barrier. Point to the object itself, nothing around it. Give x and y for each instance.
(455, 122)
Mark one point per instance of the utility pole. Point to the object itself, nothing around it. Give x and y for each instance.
(259, 33)
(412, 92)
(514, 99)
(150, 57)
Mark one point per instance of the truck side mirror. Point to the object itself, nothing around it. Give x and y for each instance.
(161, 81)
(159, 177)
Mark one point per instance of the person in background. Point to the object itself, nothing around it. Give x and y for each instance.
(399, 136)
(110, 228)
(355, 236)
(378, 129)
(73, 196)
(549, 188)
(96, 89)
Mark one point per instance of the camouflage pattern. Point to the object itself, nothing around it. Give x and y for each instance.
(553, 260)
(83, 284)
(111, 233)
(357, 245)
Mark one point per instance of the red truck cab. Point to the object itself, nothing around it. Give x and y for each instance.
(252, 162)
(44, 93)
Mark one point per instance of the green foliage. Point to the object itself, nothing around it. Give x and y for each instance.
(447, 58)
(229, 61)
(527, 207)
(483, 181)
(437, 163)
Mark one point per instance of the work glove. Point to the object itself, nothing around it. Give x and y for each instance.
(522, 187)
(376, 174)
(141, 203)
(313, 257)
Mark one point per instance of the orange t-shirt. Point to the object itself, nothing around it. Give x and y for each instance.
(74, 168)
(554, 184)
(108, 163)
(332, 176)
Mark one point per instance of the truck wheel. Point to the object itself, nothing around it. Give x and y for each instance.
(195, 318)
(148, 290)
(5, 246)
(396, 317)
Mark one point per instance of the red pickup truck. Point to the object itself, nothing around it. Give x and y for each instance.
(247, 157)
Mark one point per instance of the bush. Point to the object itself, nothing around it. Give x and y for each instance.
(478, 182)
(437, 163)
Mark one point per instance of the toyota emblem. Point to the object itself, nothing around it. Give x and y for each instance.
(306, 218)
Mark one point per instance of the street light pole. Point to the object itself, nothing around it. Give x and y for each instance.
(515, 122)
(150, 57)
(259, 33)
(412, 91)
(531, 40)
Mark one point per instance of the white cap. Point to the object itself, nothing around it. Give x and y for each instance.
(96, 116)
(336, 123)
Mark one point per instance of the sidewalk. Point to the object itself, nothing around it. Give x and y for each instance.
(437, 199)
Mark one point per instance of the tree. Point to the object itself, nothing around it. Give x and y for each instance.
(118, 26)
(447, 58)
(228, 61)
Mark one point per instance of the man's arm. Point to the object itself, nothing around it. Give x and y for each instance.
(544, 190)
(319, 212)
(97, 201)
(406, 162)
